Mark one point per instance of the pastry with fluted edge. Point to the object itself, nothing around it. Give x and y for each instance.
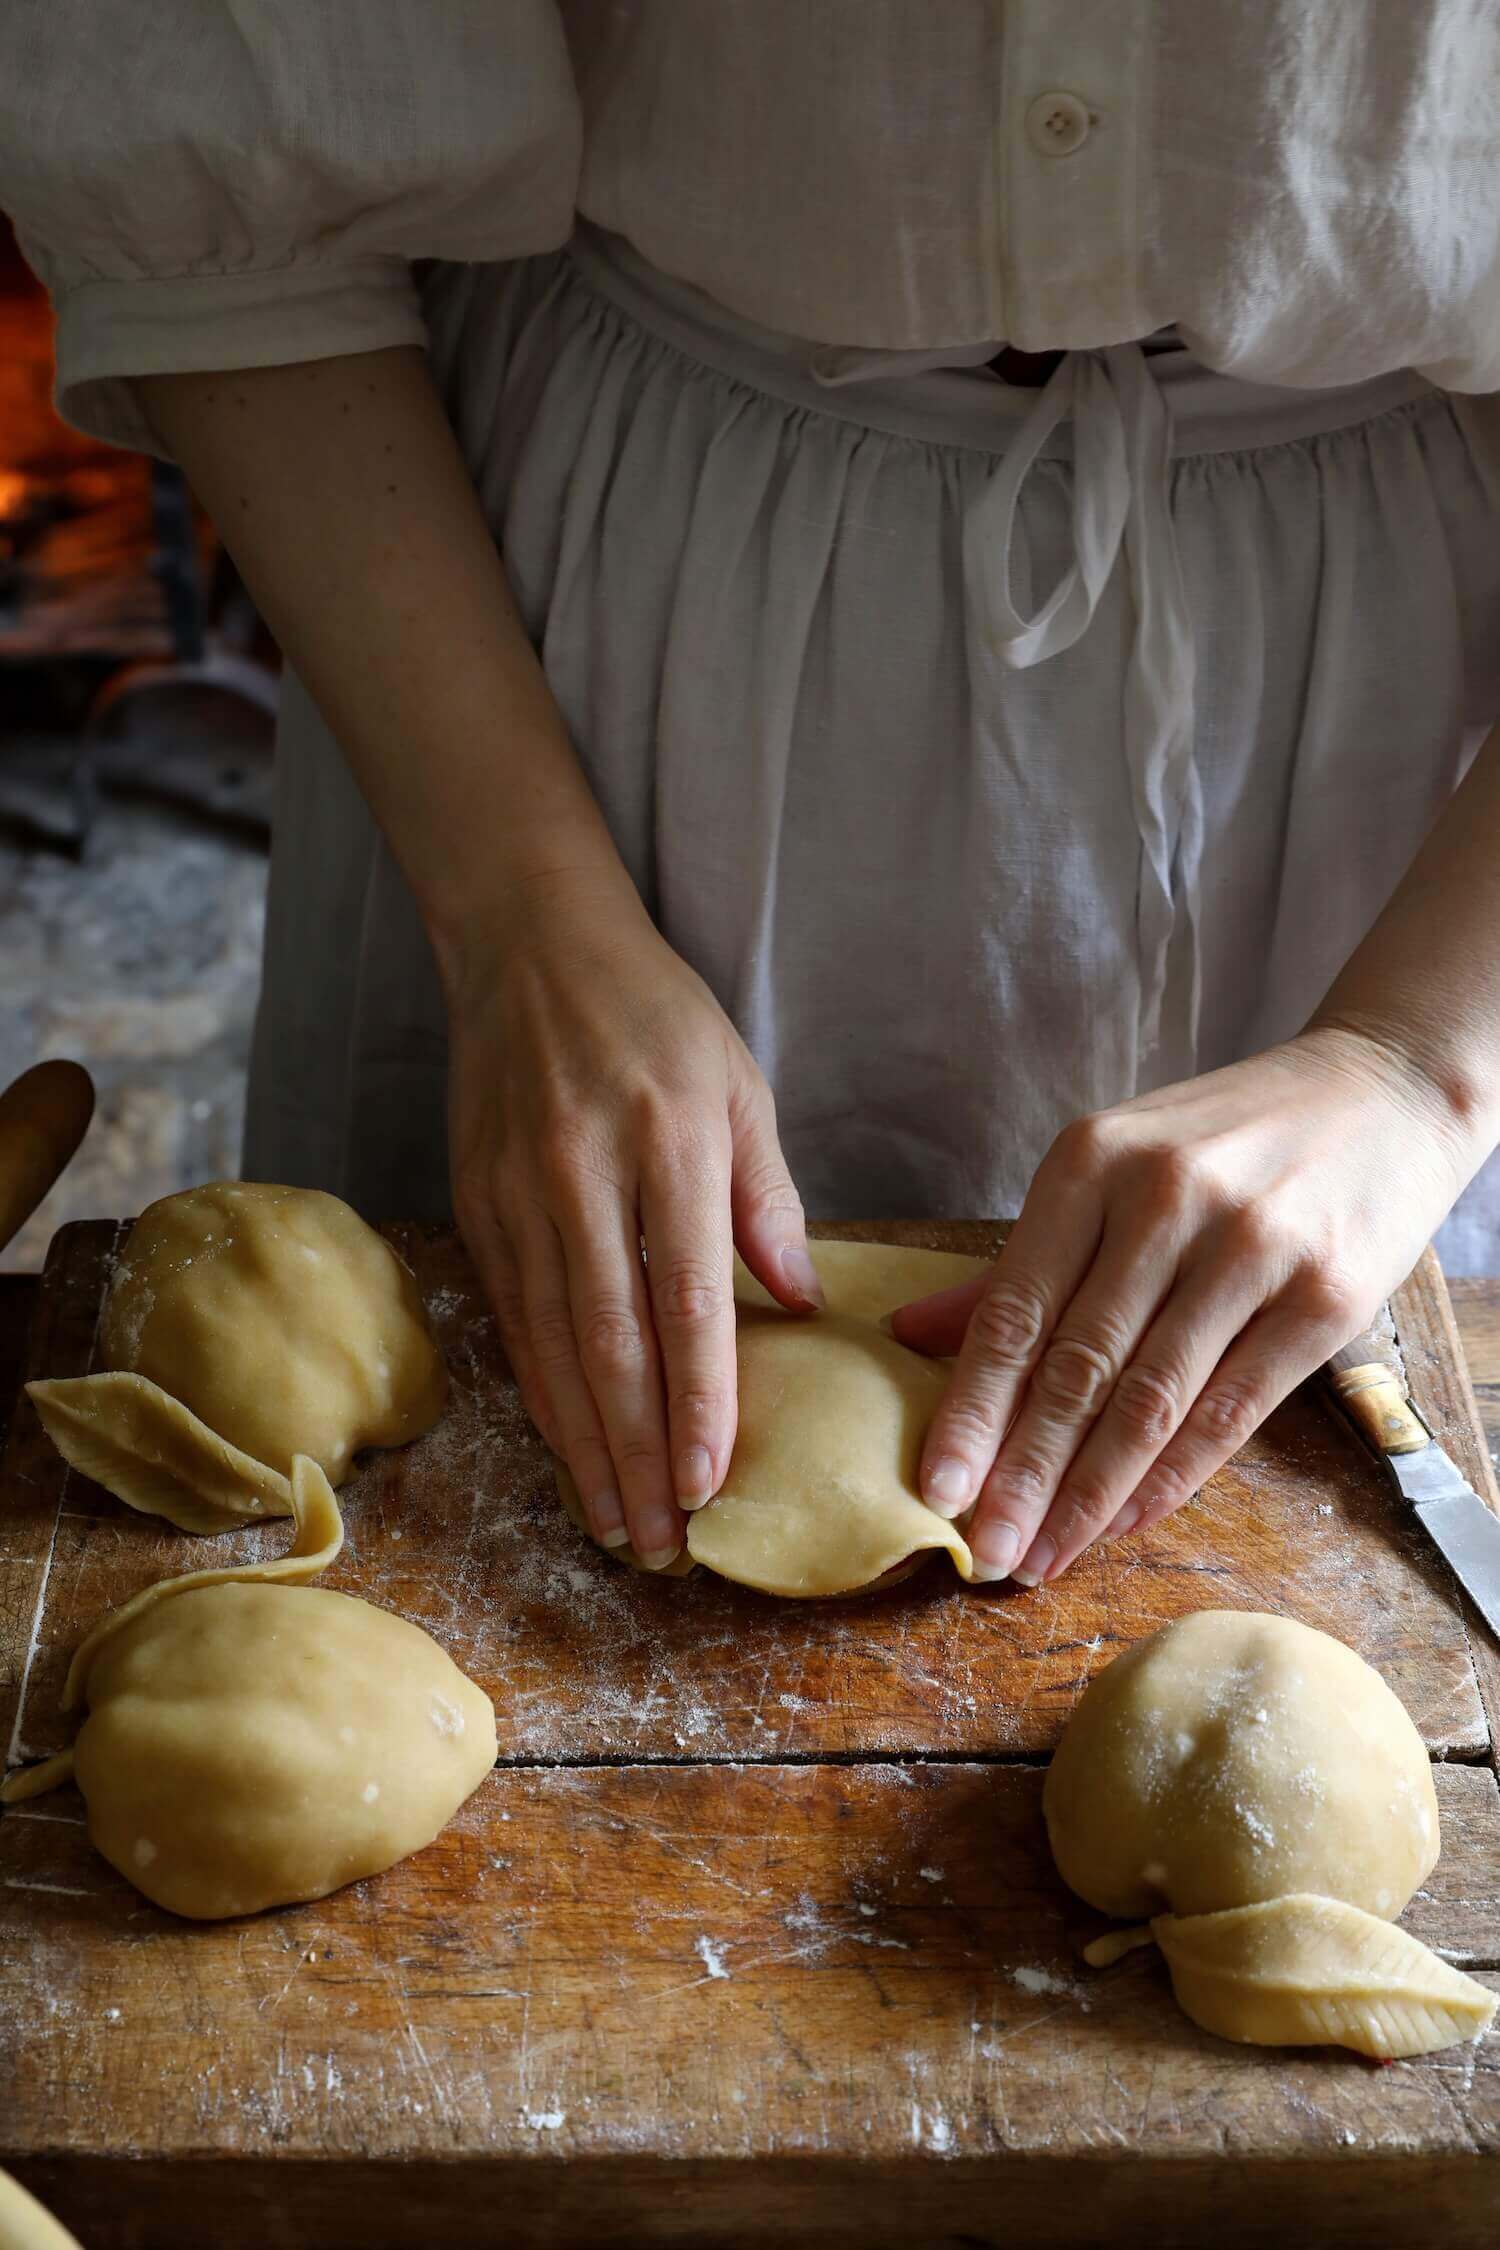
(1303, 1971)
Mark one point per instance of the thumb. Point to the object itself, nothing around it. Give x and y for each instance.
(770, 1232)
(937, 1325)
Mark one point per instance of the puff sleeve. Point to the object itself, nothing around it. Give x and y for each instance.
(235, 183)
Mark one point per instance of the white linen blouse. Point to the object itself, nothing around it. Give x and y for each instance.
(1308, 189)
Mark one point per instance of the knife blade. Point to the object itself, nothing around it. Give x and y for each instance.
(1369, 1382)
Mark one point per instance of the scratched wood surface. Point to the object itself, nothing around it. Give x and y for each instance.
(706, 1965)
(753, 1936)
(586, 1659)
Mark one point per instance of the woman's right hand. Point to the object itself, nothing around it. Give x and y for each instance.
(597, 1092)
(599, 1096)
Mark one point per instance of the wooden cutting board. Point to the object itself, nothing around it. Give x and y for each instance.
(753, 1937)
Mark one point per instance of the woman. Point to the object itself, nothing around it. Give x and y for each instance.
(962, 596)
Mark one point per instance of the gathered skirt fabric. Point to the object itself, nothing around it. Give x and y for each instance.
(910, 872)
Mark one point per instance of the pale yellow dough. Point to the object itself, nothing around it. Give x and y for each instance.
(1234, 1757)
(821, 1496)
(252, 1741)
(1312, 1972)
(24, 2225)
(246, 1324)
(150, 1452)
(1261, 1781)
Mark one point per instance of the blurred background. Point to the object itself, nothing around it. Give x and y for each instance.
(137, 708)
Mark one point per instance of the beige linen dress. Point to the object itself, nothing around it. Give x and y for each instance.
(993, 750)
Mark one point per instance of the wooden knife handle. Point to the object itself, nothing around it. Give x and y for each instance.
(1370, 1387)
(43, 1117)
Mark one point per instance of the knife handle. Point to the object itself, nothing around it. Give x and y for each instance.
(1372, 1393)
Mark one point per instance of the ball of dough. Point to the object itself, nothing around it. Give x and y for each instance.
(252, 1745)
(280, 1319)
(1234, 1757)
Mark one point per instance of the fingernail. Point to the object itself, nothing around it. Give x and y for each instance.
(1037, 1564)
(801, 1276)
(695, 1477)
(657, 1558)
(948, 1487)
(994, 1548)
(1129, 1516)
(608, 1519)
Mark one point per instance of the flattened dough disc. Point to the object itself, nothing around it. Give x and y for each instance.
(821, 1497)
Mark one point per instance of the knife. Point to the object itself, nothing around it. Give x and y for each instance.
(1370, 1385)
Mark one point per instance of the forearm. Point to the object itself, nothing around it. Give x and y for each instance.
(1426, 981)
(340, 491)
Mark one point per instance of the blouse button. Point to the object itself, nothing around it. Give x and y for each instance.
(1057, 124)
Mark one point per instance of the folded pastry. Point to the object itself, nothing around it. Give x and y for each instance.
(245, 1324)
(821, 1497)
(252, 1740)
(1260, 1781)
(1303, 1971)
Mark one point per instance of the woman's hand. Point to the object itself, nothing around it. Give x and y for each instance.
(597, 1092)
(1180, 1263)
(599, 1095)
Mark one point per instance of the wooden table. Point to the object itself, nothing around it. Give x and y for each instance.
(753, 1937)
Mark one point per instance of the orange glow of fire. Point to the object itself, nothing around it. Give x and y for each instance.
(13, 490)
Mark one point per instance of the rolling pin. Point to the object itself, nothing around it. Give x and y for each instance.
(43, 1117)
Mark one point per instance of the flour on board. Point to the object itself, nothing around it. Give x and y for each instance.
(712, 1957)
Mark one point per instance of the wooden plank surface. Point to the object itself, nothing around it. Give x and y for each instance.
(713, 1963)
(753, 1937)
(1438, 1379)
(586, 1659)
(1348, 2199)
(32, 1497)
(1476, 1312)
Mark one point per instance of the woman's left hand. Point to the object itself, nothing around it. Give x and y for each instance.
(1179, 1265)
